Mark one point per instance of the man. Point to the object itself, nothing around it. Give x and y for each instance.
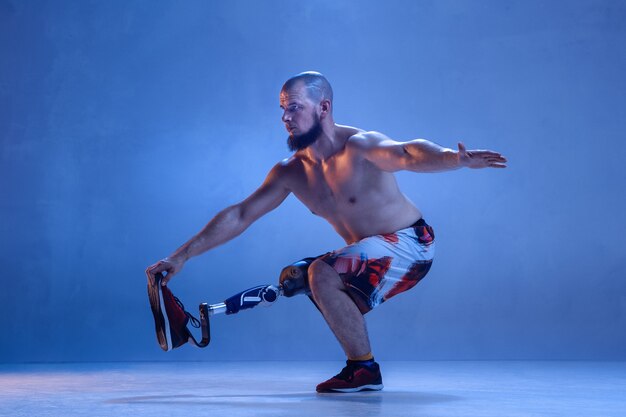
(345, 175)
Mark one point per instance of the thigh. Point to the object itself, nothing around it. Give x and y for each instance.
(380, 267)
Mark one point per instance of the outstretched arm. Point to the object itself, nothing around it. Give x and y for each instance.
(421, 155)
(226, 225)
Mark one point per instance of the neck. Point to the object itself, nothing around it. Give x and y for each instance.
(326, 145)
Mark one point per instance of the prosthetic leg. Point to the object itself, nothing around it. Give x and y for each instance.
(171, 319)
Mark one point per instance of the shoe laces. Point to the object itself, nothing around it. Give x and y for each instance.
(194, 321)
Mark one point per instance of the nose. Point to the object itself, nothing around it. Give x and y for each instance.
(286, 116)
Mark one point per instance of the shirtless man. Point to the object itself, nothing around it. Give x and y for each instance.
(345, 175)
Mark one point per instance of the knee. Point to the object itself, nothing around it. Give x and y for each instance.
(322, 276)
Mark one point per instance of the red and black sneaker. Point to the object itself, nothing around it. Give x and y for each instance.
(354, 377)
(170, 317)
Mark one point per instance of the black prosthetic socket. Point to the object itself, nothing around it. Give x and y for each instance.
(294, 278)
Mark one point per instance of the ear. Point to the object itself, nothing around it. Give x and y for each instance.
(325, 107)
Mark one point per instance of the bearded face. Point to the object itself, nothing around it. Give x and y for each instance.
(303, 140)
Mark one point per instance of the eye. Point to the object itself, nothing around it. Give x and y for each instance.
(292, 108)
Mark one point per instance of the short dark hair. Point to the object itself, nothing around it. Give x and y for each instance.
(316, 84)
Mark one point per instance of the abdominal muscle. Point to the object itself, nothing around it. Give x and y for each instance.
(363, 222)
(379, 209)
(357, 198)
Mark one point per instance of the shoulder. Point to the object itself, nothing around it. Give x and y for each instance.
(285, 169)
(366, 141)
(377, 148)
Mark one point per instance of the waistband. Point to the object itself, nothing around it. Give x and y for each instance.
(423, 231)
(420, 222)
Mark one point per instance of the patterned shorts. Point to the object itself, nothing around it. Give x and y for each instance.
(378, 267)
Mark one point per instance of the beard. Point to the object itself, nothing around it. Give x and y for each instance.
(304, 140)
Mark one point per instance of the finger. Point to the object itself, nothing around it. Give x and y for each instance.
(493, 157)
(497, 156)
(167, 278)
(156, 268)
(150, 275)
(482, 152)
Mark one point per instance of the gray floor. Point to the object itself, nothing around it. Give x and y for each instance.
(287, 389)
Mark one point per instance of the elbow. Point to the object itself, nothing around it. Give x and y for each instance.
(411, 161)
(237, 214)
(241, 217)
(408, 161)
(232, 218)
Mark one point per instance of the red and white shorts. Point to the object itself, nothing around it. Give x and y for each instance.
(378, 267)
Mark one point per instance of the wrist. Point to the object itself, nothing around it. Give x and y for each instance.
(456, 161)
(178, 257)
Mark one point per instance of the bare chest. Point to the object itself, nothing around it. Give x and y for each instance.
(331, 188)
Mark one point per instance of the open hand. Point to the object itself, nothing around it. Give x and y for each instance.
(479, 158)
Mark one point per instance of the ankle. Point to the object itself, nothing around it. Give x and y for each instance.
(366, 363)
(363, 358)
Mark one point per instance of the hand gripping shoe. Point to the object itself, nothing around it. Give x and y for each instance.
(171, 319)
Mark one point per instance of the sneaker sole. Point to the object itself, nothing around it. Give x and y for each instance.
(161, 324)
(369, 387)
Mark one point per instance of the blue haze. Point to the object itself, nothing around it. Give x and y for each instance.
(126, 125)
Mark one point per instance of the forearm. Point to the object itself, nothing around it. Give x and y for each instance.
(421, 155)
(226, 225)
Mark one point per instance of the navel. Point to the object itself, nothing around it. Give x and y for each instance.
(352, 200)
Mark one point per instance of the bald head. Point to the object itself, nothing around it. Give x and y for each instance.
(317, 86)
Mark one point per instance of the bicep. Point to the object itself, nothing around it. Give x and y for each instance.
(266, 198)
(385, 153)
(416, 155)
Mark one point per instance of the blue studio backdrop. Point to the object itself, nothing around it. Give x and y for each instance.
(126, 125)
